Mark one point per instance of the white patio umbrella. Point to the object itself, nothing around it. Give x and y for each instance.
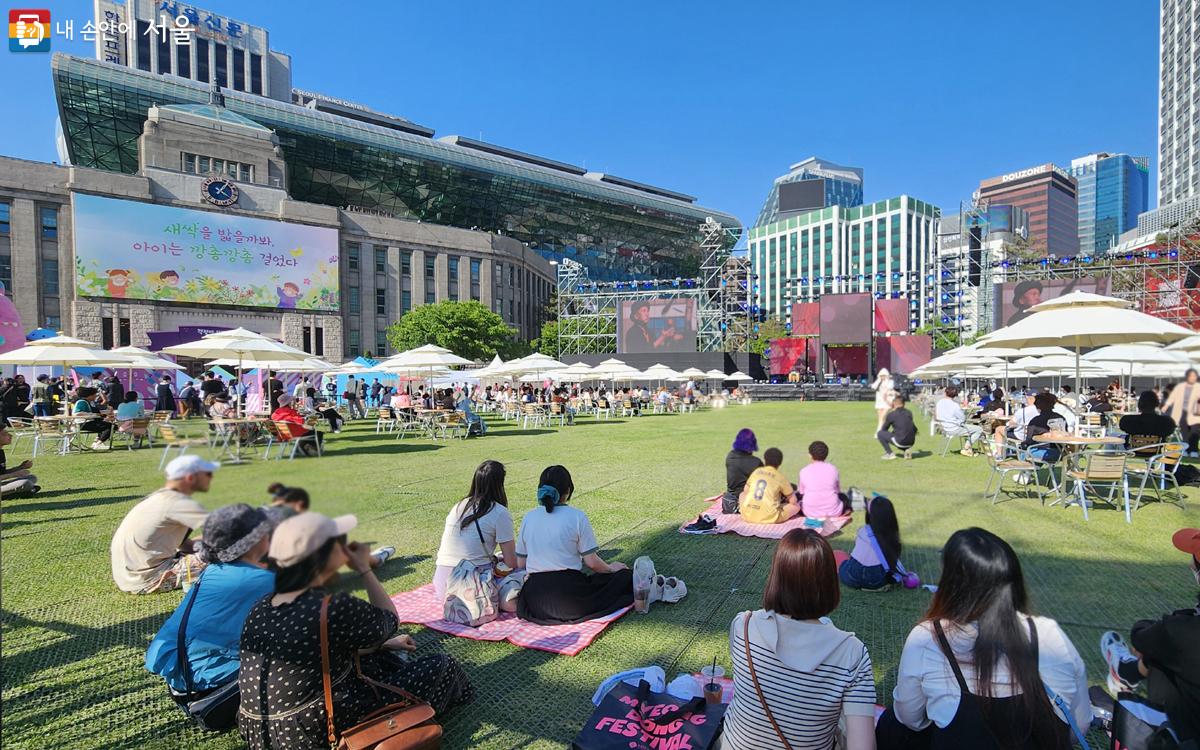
(65, 352)
(1125, 356)
(610, 366)
(739, 377)
(429, 355)
(715, 374)
(534, 363)
(1190, 345)
(242, 345)
(693, 372)
(312, 364)
(576, 373)
(659, 372)
(1082, 320)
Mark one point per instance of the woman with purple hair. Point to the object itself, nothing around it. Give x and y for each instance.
(739, 463)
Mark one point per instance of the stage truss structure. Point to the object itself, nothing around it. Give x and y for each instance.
(587, 310)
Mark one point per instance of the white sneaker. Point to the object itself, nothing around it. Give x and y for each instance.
(383, 554)
(666, 589)
(888, 457)
(1113, 647)
(99, 446)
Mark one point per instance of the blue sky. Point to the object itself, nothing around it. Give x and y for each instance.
(714, 98)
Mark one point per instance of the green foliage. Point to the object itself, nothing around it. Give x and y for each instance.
(944, 336)
(547, 340)
(768, 330)
(469, 329)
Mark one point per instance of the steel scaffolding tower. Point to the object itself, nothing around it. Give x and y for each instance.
(587, 310)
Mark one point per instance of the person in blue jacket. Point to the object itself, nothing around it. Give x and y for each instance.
(235, 543)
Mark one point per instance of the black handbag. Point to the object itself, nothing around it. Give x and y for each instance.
(630, 718)
(215, 709)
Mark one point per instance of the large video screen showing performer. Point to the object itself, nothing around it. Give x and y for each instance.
(656, 325)
(846, 319)
(1014, 298)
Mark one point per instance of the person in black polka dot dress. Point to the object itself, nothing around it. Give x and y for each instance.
(283, 705)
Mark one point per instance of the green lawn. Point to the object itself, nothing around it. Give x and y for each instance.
(73, 646)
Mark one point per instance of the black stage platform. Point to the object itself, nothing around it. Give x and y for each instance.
(808, 392)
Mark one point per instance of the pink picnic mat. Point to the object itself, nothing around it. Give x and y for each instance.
(421, 607)
(733, 523)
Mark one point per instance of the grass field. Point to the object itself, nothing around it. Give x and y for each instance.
(73, 645)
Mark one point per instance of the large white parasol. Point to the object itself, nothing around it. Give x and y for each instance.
(65, 352)
(242, 345)
(1082, 320)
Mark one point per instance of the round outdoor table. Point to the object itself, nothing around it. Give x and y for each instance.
(234, 457)
(1070, 443)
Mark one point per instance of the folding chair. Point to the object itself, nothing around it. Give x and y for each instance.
(627, 409)
(1162, 463)
(532, 413)
(1101, 468)
(137, 430)
(405, 423)
(952, 431)
(558, 412)
(284, 430)
(1091, 424)
(386, 420)
(1013, 460)
(20, 427)
(172, 439)
(604, 409)
(453, 425)
(51, 431)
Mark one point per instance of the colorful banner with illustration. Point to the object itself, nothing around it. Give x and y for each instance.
(131, 250)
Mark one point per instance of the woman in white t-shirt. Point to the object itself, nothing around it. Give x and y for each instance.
(975, 671)
(555, 542)
(476, 525)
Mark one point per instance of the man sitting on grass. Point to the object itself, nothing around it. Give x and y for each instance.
(898, 430)
(768, 497)
(151, 551)
(18, 481)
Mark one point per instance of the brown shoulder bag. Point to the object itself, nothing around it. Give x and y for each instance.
(762, 699)
(407, 725)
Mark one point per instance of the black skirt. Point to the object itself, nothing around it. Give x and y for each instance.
(562, 597)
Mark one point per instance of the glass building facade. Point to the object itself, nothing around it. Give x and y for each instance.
(1113, 189)
(843, 186)
(619, 229)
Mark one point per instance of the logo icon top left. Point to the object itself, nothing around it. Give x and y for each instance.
(28, 30)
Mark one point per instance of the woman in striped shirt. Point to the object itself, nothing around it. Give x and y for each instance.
(795, 675)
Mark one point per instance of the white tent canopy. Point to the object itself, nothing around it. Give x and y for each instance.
(429, 356)
(65, 352)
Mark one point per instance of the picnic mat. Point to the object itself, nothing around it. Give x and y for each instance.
(421, 607)
(733, 523)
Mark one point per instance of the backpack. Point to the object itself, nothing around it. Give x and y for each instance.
(472, 596)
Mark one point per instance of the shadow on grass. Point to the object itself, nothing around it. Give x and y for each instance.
(87, 502)
(392, 448)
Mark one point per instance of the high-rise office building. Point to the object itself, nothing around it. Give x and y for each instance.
(1178, 128)
(1048, 195)
(887, 248)
(1113, 189)
(812, 184)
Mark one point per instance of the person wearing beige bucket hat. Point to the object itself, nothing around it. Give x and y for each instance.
(1165, 653)
(281, 662)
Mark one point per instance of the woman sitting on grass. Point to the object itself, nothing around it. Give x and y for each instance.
(794, 673)
(740, 463)
(281, 671)
(975, 672)
(475, 526)
(820, 486)
(876, 549)
(555, 543)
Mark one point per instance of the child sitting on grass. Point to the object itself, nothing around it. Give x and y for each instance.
(768, 497)
(820, 486)
(876, 554)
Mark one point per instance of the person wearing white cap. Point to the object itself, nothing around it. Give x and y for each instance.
(150, 550)
(281, 674)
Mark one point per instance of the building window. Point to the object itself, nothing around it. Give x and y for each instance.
(381, 260)
(475, 266)
(405, 301)
(306, 339)
(201, 59)
(430, 276)
(183, 61)
(319, 345)
(49, 217)
(239, 69)
(405, 263)
(452, 271)
(5, 213)
(381, 302)
(352, 341)
(143, 45)
(222, 65)
(49, 276)
(6, 273)
(198, 164)
(352, 300)
(256, 74)
(124, 337)
(381, 343)
(53, 322)
(163, 41)
(106, 333)
(352, 256)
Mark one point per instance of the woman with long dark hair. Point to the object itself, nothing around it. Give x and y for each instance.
(876, 548)
(476, 525)
(281, 674)
(555, 543)
(974, 672)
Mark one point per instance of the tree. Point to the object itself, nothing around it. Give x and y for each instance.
(547, 340)
(468, 329)
(768, 330)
